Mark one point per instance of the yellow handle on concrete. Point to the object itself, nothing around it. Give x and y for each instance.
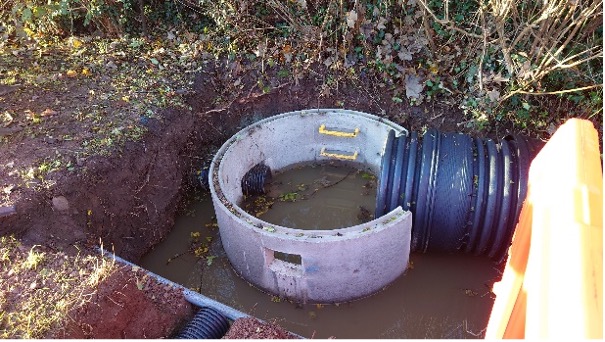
(324, 130)
(334, 154)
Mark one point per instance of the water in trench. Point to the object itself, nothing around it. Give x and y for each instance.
(440, 296)
(316, 196)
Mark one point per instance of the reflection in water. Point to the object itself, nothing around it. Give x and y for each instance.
(440, 296)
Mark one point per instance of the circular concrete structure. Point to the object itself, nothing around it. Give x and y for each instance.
(318, 266)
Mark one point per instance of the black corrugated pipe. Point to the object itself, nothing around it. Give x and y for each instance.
(465, 193)
(207, 323)
(254, 181)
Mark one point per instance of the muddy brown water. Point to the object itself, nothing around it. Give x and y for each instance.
(439, 296)
(316, 196)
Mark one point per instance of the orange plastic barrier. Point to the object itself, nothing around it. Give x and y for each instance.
(552, 286)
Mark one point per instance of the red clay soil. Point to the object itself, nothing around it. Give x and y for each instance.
(129, 304)
(252, 328)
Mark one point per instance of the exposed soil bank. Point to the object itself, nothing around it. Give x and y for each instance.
(130, 305)
(127, 200)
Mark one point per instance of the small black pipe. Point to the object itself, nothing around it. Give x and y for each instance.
(207, 323)
(253, 182)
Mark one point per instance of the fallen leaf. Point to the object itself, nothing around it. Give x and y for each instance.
(329, 61)
(287, 52)
(551, 129)
(7, 119)
(32, 116)
(413, 86)
(76, 43)
(351, 19)
(8, 189)
(29, 32)
(48, 112)
(381, 23)
(111, 65)
(526, 71)
(494, 95)
(302, 3)
(404, 55)
(269, 229)
(210, 259)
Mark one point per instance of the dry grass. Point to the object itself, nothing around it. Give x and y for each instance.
(486, 57)
(535, 38)
(39, 286)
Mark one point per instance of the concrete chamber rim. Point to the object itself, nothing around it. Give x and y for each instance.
(316, 235)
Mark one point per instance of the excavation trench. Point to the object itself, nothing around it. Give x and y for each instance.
(134, 203)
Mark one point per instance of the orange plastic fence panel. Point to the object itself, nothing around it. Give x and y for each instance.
(508, 317)
(558, 271)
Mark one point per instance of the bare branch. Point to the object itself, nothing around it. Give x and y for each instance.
(484, 48)
(509, 95)
(448, 24)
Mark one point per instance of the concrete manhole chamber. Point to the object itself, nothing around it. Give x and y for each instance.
(324, 266)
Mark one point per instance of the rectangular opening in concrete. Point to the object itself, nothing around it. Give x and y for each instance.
(284, 264)
(291, 258)
(273, 255)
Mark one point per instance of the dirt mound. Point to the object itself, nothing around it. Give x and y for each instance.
(129, 304)
(252, 328)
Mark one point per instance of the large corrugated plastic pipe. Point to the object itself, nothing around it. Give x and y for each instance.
(206, 324)
(465, 193)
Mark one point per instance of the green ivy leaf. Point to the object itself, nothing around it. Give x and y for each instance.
(39, 11)
(26, 15)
